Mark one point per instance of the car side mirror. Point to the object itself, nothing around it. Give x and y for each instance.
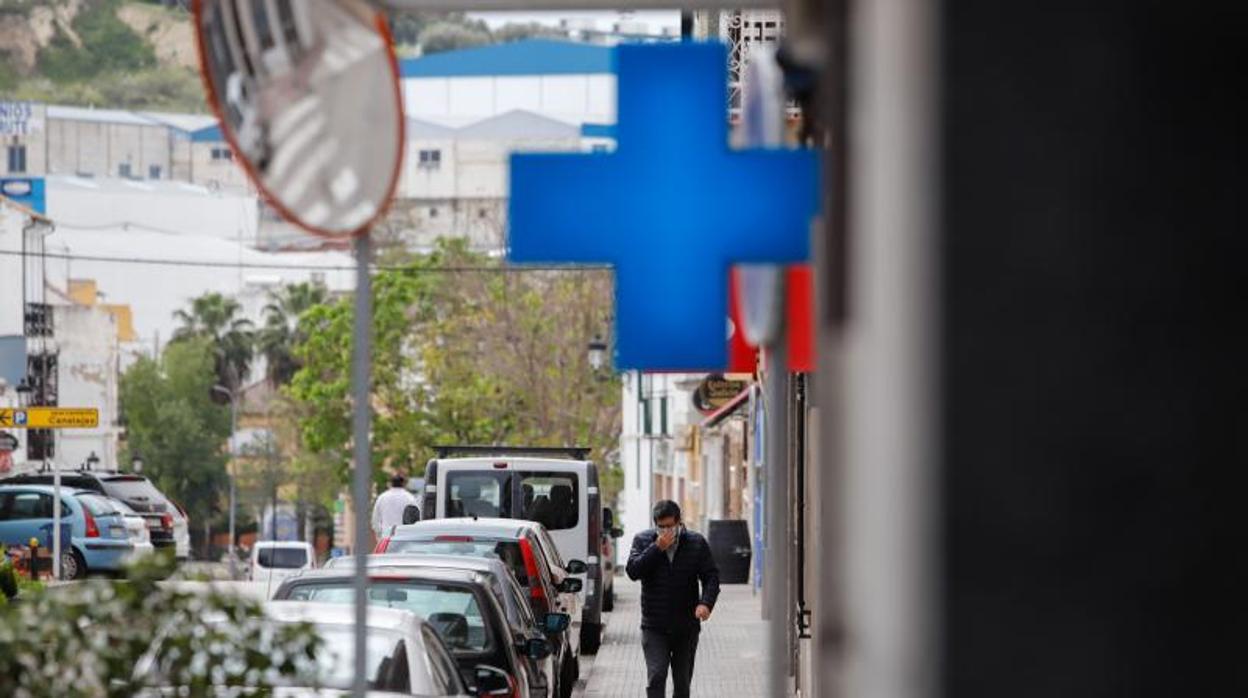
(577, 567)
(411, 514)
(571, 585)
(555, 623)
(537, 648)
(617, 532)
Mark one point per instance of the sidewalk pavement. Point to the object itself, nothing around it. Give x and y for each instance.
(731, 660)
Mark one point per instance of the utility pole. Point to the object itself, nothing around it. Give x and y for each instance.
(361, 356)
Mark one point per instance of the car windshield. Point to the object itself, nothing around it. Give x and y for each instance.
(133, 489)
(99, 506)
(281, 558)
(452, 611)
(386, 661)
(505, 550)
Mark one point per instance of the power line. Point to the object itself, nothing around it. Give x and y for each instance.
(303, 267)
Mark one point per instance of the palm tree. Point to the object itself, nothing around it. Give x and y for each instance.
(216, 318)
(280, 334)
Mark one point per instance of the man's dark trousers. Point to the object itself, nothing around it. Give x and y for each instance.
(669, 648)
(670, 595)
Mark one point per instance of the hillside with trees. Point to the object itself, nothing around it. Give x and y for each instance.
(127, 54)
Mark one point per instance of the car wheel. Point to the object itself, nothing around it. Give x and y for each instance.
(72, 565)
(591, 638)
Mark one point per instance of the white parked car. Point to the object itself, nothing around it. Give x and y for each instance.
(272, 561)
(136, 530)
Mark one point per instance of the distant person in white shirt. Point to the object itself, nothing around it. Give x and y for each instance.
(388, 509)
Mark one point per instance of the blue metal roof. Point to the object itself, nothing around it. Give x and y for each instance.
(208, 134)
(598, 130)
(528, 57)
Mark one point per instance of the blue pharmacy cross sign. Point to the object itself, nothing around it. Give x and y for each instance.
(672, 208)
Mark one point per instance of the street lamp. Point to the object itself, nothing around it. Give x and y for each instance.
(23, 393)
(233, 396)
(597, 353)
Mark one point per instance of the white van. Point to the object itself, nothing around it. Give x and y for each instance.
(557, 487)
(272, 561)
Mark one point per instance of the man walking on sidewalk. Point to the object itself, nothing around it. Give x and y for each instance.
(390, 505)
(670, 561)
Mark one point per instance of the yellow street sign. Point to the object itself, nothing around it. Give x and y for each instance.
(50, 418)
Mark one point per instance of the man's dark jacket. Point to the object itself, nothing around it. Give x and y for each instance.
(669, 590)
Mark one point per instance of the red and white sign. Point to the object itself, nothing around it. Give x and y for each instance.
(799, 324)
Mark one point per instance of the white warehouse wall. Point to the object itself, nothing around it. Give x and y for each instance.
(575, 99)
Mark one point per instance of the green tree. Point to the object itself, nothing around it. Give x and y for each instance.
(102, 44)
(277, 339)
(448, 36)
(172, 421)
(215, 317)
(465, 351)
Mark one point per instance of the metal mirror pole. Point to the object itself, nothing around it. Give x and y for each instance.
(776, 395)
(361, 424)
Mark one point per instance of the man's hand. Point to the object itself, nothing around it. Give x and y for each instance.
(703, 612)
(666, 539)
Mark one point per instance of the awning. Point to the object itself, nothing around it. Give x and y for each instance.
(726, 411)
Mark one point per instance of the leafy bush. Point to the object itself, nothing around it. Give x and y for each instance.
(84, 640)
(8, 580)
(108, 45)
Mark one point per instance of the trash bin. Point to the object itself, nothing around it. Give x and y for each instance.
(730, 547)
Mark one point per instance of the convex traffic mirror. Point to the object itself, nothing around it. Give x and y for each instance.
(307, 93)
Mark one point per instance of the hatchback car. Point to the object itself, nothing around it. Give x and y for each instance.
(459, 604)
(93, 530)
(135, 490)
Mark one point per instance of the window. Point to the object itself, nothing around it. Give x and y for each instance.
(123, 170)
(429, 159)
(452, 611)
(135, 488)
(17, 159)
(647, 425)
(21, 506)
(222, 153)
(281, 558)
(478, 494)
(153, 172)
(550, 499)
(505, 550)
(663, 416)
(433, 211)
(442, 669)
(482, 213)
(98, 506)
